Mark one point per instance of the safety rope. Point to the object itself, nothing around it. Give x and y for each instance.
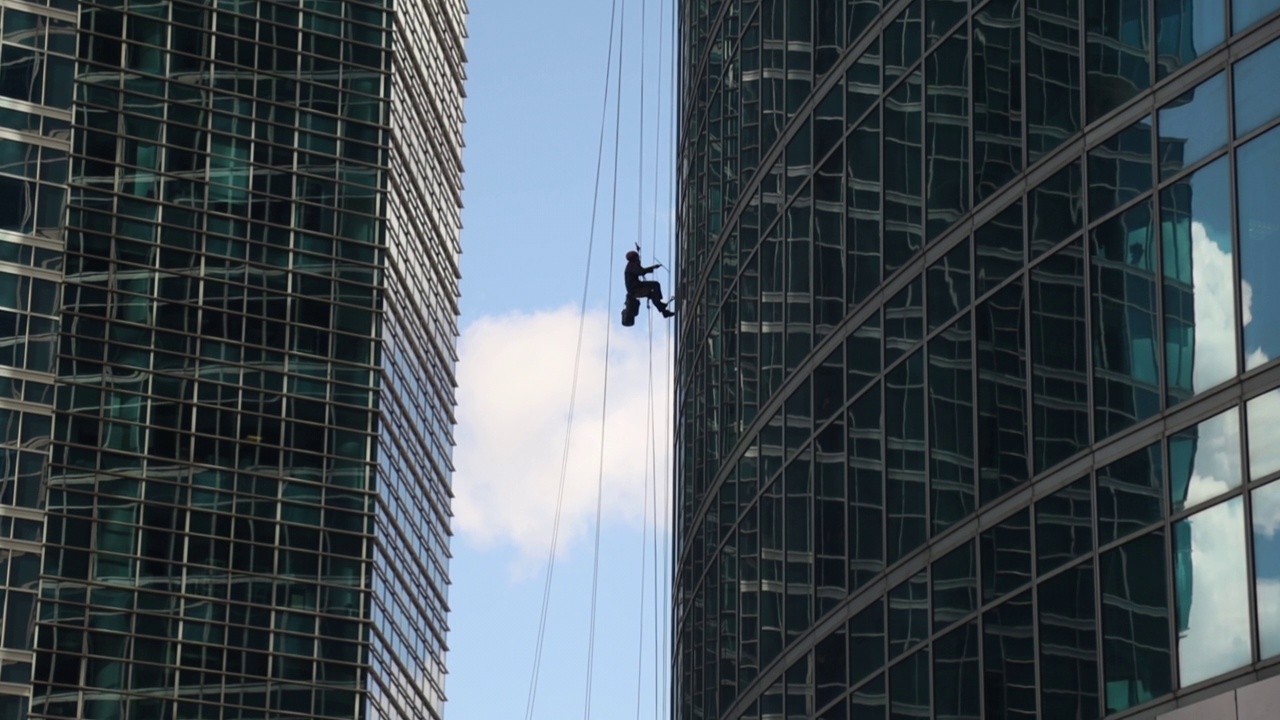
(604, 401)
(530, 703)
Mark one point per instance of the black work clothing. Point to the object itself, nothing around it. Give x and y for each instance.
(644, 289)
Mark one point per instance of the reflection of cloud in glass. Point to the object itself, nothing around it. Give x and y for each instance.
(1266, 562)
(1217, 457)
(1263, 416)
(1215, 317)
(1217, 635)
(1269, 616)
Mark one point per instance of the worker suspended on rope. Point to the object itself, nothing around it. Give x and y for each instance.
(638, 289)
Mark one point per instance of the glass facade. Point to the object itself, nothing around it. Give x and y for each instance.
(228, 269)
(977, 402)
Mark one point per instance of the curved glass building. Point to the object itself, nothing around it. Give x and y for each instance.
(978, 413)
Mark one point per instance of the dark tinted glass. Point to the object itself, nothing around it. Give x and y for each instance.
(1053, 74)
(948, 280)
(1006, 556)
(866, 642)
(907, 488)
(903, 40)
(862, 354)
(955, 674)
(830, 660)
(951, 474)
(866, 490)
(942, 15)
(1064, 526)
(1136, 662)
(1059, 358)
(1125, 348)
(909, 685)
(1130, 493)
(997, 96)
(955, 586)
(1002, 421)
(862, 83)
(1055, 209)
(1117, 53)
(1120, 168)
(904, 320)
(903, 171)
(1068, 646)
(1009, 661)
(998, 249)
(908, 614)
(862, 210)
(947, 132)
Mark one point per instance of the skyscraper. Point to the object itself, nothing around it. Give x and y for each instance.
(225, 488)
(977, 413)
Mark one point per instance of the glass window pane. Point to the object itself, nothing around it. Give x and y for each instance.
(1211, 589)
(1193, 126)
(908, 614)
(902, 42)
(997, 96)
(955, 586)
(866, 642)
(1185, 30)
(1130, 494)
(862, 83)
(947, 131)
(998, 249)
(1263, 416)
(951, 473)
(1002, 402)
(1125, 350)
(1006, 556)
(904, 320)
(956, 685)
(948, 280)
(1064, 526)
(1068, 646)
(1135, 623)
(829, 659)
(907, 486)
(903, 168)
(1246, 12)
(1009, 659)
(1117, 53)
(1200, 346)
(1258, 176)
(1053, 74)
(942, 15)
(1120, 168)
(862, 351)
(1059, 358)
(866, 490)
(1266, 567)
(1204, 460)
(909, 686)
(1256, 101)
(862, 210)
(869, 701)
(1055, 209)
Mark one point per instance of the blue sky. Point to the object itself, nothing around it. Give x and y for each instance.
(536, 82)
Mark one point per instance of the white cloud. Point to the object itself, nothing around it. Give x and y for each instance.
(515, 374)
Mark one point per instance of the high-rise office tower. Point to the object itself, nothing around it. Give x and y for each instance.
(978, 412)
(228, 283)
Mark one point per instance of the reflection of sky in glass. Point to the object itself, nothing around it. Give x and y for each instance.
(1259, 216)
(1263, 416)
(1246, 12)
(1217, 636)
(1204, 461)
(1198, 259)
(1266, 565)
(1199, 126)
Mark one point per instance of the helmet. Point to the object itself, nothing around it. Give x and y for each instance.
(633, 255)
